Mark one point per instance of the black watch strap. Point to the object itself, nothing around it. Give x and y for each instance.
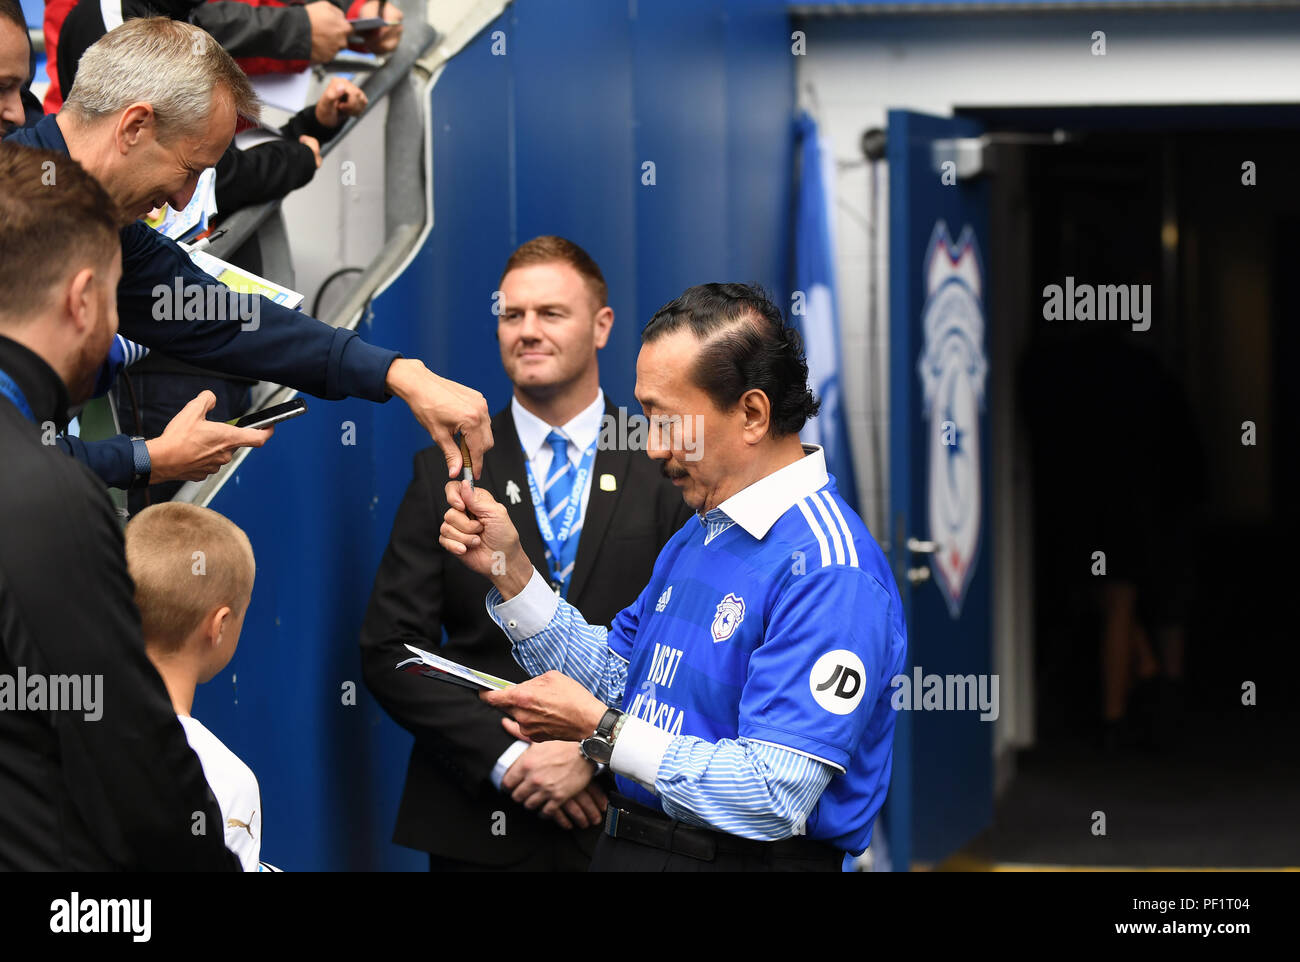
(607, 722)
(598, 747)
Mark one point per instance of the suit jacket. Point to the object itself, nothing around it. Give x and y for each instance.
(449, 800)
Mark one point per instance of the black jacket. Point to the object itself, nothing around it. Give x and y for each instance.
(279, 33)
(271, 170)
(419, 591)
(123, 791)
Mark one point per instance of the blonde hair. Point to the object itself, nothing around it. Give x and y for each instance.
(549, 249)
(172, 66)
(186, 562)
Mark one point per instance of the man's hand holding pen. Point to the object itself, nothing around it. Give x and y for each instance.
(443, 407)
(486, 542)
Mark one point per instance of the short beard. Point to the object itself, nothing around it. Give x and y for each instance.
(85, 370)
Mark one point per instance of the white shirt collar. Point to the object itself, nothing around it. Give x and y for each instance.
(582, 431)
(757, 507)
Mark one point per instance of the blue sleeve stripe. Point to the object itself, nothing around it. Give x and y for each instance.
(830, 526)
(746, 788)
(823, 521)
(844, 526)
(816, 530)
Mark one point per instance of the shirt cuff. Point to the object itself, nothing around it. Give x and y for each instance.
(639, 751)
(528, 612)
(508, 758)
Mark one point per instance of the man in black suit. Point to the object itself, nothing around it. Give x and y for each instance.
(475, 797)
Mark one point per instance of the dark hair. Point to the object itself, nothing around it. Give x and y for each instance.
(548, 249)
(746, 345)
(11, 10)
(54, 220)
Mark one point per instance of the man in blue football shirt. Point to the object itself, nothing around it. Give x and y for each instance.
(753, 728)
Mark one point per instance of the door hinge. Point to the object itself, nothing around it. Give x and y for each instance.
(969, 156)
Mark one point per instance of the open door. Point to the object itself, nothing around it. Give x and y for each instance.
(942, 789)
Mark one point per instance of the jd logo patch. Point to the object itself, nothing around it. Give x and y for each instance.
(836, 681)
(730, 613)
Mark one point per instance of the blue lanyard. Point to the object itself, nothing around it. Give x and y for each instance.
(11, 390)
(560, 548)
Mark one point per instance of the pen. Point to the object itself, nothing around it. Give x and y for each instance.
(466, 467)
(198, 245)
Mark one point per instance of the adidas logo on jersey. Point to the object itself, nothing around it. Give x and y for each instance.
(663, 599)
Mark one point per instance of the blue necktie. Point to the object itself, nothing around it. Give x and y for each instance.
(556, 493)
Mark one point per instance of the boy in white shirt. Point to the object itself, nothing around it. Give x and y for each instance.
(193, 572)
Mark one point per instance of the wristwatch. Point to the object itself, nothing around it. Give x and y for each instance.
(140, 466)
(599, 747)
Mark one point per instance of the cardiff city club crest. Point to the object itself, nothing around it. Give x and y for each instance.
(953, 369)
(730, 613)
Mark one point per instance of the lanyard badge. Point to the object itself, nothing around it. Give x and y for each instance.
(9, 388)
(561, 549)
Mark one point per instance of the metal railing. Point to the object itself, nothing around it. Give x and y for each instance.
(418, 38)
(394, 83)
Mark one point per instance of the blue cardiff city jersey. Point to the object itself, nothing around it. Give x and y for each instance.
(789, 640)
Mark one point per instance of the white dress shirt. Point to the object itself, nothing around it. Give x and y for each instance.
(582, 431)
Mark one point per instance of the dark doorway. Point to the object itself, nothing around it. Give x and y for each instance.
(1163, 458)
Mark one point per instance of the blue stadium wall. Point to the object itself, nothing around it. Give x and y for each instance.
(549, 138)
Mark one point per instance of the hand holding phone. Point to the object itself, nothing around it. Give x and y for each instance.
(266, 417)
(191, 447)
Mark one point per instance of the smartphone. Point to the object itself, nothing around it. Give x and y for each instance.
(272, 415)
(365, 24)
